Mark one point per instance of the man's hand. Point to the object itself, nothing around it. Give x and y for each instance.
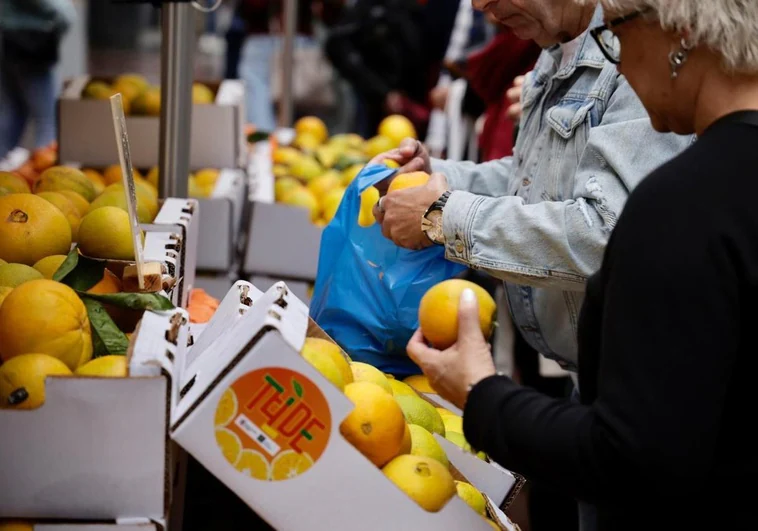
(400, 212)
(438, 97)
(465, 364)
(514, 96)
(411, 155)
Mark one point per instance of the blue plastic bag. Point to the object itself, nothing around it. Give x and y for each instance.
(368, 289)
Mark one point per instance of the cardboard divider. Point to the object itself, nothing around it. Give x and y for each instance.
(257, 408)
(85, 131)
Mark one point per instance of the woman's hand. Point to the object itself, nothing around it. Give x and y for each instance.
(453, 371)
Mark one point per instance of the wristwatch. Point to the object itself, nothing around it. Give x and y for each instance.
(431, 223)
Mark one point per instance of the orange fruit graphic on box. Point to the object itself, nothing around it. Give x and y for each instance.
(272, 424)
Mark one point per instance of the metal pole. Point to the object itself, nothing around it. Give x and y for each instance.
(177, 65)
(288, 47)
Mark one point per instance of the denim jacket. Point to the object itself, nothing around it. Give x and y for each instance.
(540, 220)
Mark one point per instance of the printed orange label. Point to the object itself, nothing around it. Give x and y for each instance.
(272, 424)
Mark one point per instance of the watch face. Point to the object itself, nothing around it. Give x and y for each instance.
(434, 228)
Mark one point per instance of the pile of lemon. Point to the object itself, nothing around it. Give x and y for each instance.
(315, 170)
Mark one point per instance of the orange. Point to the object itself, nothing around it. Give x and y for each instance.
(397, 128)
(68, 208)
(420, 383)
(254, 465)
(438, 311)
(226, 409)
(97, 180)
(289, 464)
(426, 481)
(110, 283)
(81, 204)
(13, 183)
(22, 380)
(31, 229)
(408, 180)
(45, 317)
(407, 441)
(112, 174)
(60, 178)
(376, 425)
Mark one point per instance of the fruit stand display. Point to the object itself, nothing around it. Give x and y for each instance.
(89, 414)
(274, 409)
(299, 177)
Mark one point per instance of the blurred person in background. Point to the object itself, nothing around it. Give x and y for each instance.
(30, 35)
(391, 52)
(663, 432)
(263, 26)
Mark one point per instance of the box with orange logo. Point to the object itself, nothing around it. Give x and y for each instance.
(267, 424)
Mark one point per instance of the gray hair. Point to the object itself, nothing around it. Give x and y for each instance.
(728, 27)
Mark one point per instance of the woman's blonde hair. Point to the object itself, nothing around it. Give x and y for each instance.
(728, 27)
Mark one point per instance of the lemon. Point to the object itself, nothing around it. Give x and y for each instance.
(12, 275)
(420, 383)
(106, 233)
(396, 128)
(426, 481)
(81, 204)
(306, 168)
(363, 372)
(49, 265)
(419, 411)
(306, 142)
(324, 183)
(452, 423)
(350, 173)
(284, 185)
(303, 198)
(324, 364)
(331, 203)
(112, 366)
(471, 495)
(62, 203)
(377, 145)
(4, 292)
(424, 444)
(115, 197)
(286, 156)
(13, 183)
(313, 126)
(407, 441)
(369, 198)
(22, 379)
(202, 95)
(207, 177)
(334, 353)
(400, 388)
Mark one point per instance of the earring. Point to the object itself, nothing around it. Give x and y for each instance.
(678, 58)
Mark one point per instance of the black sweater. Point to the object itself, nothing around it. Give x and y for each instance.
(667, 357)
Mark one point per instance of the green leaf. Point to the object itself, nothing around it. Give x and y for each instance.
(133, 301)
(86, 274)
(106, 337)
(258, 136)
(298, 388)
(67, 266)
(345, 161)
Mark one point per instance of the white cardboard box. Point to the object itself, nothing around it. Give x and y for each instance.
(299, 288)
(93, 526)
(85, 130)
(172, 240)
(220, 222)
(281, 240)
(283, 406)
(97, 448)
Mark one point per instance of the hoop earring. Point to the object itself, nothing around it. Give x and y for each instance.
(679, 57)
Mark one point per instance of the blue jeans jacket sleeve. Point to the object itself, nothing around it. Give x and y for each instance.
(555, 243)
(491, 179)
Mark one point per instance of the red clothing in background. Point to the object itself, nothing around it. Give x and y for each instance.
(491, 72)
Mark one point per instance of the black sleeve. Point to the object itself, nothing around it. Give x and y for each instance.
(346, 56)
(669, 337)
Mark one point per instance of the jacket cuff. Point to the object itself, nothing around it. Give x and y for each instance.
(482, 410)
(457, 221)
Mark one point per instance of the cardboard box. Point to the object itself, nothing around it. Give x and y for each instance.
(299, 288)
(172, 240)
(256, 358)
(85, 129)
(97, 449)
(98, 526)
(220, 224)
(281, 240)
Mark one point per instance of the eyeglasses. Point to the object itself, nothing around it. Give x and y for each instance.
(608, 41)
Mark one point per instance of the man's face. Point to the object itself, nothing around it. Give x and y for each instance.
(543, 21)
